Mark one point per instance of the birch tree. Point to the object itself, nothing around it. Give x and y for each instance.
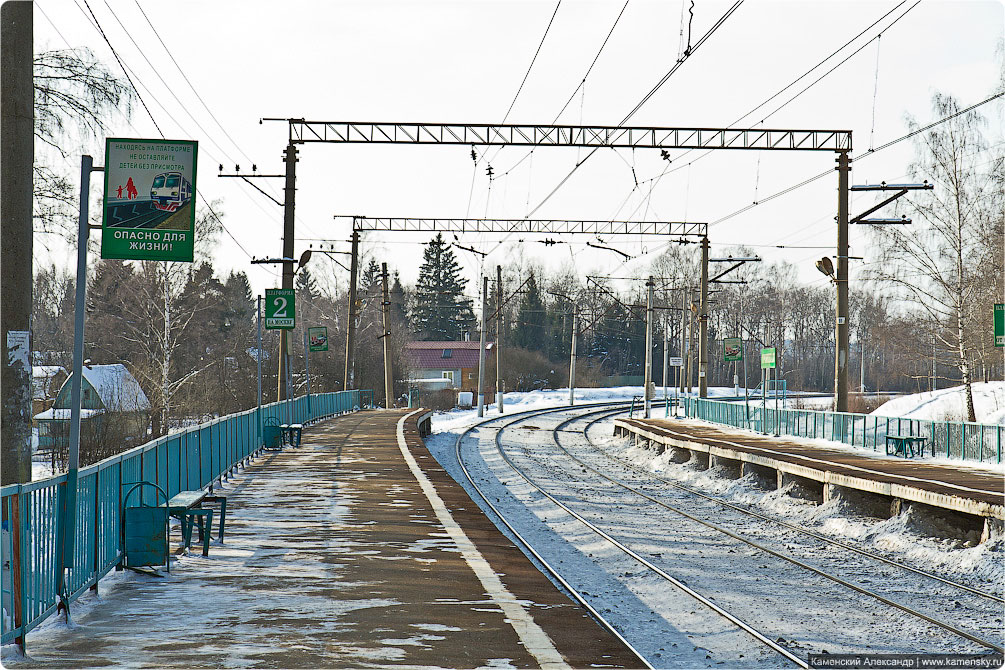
(941, 263)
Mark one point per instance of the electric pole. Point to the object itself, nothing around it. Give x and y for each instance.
(683, 333)
(386, 309)
(841, 281)
(499, 331)
(350, 330)
(649, 345)
(703, 323)
(17, 139)
(481, 345)
(572, 361)
(285, 344)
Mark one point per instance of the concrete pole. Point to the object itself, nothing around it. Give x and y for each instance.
(258, 314)
(683, 334)
(76, 374)
(307, 371)
(499, 330)
(386, 309)
(350, 330)
(649, 347)
(841, 280)
(703, 323)
(572, 358)
(666, 352)
(17, 140)
(481, 346)
(290, 158)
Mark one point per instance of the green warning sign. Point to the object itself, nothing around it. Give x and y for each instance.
(768, 357)
(148, 213)
(732, 349)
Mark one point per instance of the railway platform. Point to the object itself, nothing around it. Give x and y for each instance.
(976, 493)
(355, 549)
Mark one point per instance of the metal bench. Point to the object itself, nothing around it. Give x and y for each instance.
(904, 445)
(187, 508)
(292, 433)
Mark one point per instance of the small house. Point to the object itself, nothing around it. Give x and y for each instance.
(108, 394)
(446, 365)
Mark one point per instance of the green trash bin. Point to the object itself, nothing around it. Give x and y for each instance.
(272, 434)
(144, 530)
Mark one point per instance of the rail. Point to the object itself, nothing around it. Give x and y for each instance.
(34, 584)
(952, 439)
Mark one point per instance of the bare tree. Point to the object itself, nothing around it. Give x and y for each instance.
(942, 262)
(73, 91)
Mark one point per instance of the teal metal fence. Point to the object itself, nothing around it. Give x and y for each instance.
(951, 439)
(33, 583)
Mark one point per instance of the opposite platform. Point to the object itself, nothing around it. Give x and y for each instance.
(962, 489)
(348, 551)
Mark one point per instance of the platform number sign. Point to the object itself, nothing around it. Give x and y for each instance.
(280, 308)
(1000, 324)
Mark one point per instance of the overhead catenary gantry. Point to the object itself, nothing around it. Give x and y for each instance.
(555, 226)
(302, 131)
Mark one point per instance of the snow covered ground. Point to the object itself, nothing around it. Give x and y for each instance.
(633, 604)
(949, 404)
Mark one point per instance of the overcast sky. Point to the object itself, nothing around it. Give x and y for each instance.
(463, 62)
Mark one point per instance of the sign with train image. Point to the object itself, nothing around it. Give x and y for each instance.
(149, 206)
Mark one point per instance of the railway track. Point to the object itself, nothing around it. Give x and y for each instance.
(604, 411)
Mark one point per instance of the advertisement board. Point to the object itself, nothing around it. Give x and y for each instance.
(732, 349)
(317, 338)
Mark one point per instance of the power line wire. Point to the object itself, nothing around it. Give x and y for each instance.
(532, 61)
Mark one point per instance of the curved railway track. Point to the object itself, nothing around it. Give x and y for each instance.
(605, 411)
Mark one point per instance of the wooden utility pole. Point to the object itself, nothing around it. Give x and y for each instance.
(499, 330)
(350, 330)
(285, 344)
(17, 140)
(481, 345)
(386, 309)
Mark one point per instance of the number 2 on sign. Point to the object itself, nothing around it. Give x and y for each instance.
(279, 303)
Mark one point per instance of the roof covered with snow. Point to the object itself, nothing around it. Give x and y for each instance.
(115, 386)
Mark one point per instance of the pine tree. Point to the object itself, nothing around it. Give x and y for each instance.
(442, 312)
(306, 287)
(530, 318)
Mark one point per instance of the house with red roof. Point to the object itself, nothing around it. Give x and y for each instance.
(446, 365)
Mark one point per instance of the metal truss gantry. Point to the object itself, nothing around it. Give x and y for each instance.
(302, 131)
(555, 226)
(366, 132)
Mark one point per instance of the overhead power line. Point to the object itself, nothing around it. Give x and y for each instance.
(866, 154)
(676, 66)
(532, 61)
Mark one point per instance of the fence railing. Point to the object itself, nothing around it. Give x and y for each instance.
(34, 583)
(951, 439)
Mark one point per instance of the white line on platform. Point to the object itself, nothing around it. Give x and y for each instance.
(531, 635)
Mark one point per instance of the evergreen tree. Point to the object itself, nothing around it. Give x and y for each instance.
(306, 287)
(530, 327)
(442, 312)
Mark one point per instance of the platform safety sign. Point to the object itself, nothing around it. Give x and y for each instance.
(148, 212)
